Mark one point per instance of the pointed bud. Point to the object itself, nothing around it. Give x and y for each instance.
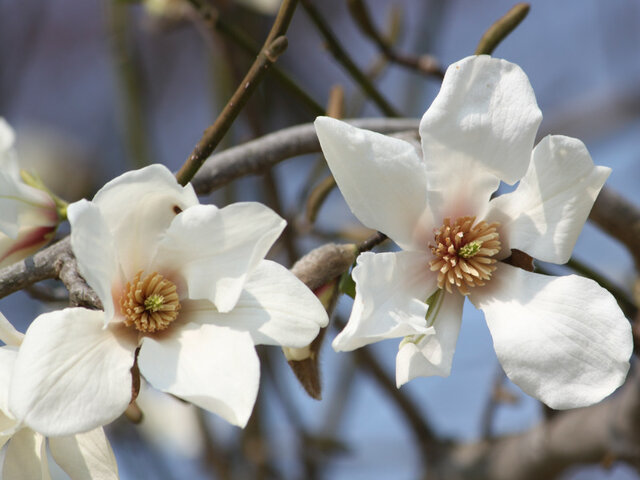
(320, 270)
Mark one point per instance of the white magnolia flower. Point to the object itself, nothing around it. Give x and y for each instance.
(28, 216)
(82, 456)
(186, 295)
(561, 339)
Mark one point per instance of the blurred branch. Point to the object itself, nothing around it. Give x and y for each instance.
(257, 155)
(129, 77)
(609, 431)
(501, 28)
(345, 60)
(489, 412)
(212, 20)
(273, 47)
(415, 419)
(425, 64)
(619, 218)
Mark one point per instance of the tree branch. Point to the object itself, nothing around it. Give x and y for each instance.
(274, 46)
(342, 57)
(619, 218)
(56, 261)
(426, 64)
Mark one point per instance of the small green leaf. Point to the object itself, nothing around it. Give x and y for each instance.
(347, 285)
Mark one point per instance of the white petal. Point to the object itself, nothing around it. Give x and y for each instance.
(479, 130)
(7, 139)
(72, 374)
(391, 291)
(9, 176)
(94, 248)
(545, 214)
(213, 367)
(433, 354)
(215, 249)
(275, 308)
(563, 340)
(8, 333)
(8, 355)
(26, 457)
(86, 455)
(138, 207)
(382, 178)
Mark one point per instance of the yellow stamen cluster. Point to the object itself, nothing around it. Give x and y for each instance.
(151, 303)
(463, 253)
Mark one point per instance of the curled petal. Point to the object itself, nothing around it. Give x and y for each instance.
(479, 130)
(545, 214)
(383, 179)
(216, 249)
(275, 308)
(433, 353)
(563, 340)
(391, 291)
(213, 367)
(71, 374)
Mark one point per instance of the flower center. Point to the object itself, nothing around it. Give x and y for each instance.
(464, 253)
(150, 304)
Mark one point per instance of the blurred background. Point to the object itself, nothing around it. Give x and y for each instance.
(95, 88)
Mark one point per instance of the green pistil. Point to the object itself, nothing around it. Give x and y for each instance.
(434, 302)
(469, 250)
(153, 303)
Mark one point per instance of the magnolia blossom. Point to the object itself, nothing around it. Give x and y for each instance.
(186, 296)
(28, 216)
(563, 340)
(82, 456)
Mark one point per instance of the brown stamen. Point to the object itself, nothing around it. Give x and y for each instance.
(463, 253)
(151, 303)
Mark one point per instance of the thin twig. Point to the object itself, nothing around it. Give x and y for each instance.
(275, 45)
(372, 242)
(341, 55)
(416, 419)
(501, 28)
(426, 65)
(212, 20)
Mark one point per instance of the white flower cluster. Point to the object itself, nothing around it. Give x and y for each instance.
(187, 292)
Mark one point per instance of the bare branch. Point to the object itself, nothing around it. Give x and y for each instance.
(619, 218)
(56, 261)
(275, 44)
